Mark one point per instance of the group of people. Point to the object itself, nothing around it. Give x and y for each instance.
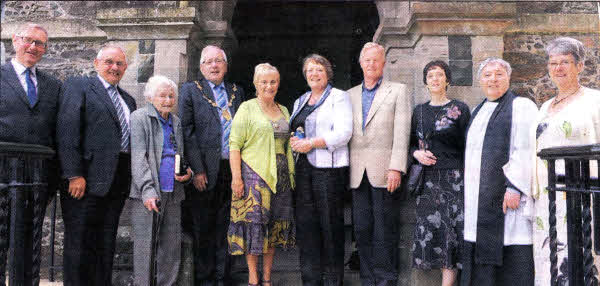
(258, 177)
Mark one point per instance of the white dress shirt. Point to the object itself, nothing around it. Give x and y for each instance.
(20, 70)
(125, 107)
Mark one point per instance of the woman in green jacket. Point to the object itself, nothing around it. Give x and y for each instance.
(262, 168)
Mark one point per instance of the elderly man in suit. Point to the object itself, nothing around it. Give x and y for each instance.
(93, 147)
(206, 108)
(28, 108)
(378, 153)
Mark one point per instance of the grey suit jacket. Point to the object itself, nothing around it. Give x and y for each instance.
(384, 143)
(146, 153)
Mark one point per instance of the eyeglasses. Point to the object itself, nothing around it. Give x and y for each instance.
(30, 41)
(111, 62)
(216, 61)
(563, 63)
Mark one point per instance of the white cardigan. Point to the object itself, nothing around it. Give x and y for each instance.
(332, 121)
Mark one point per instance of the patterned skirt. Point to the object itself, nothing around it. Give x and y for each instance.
(439, 221)
(260, 219)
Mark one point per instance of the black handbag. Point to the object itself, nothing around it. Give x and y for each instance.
(414, 178)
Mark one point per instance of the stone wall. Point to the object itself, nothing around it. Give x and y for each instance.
(527, 56)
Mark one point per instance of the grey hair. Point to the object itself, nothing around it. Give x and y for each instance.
(262, 69)
(23, 28)
(205, 50)
(566, 46)
(371, 45)
(103, 49)
(494, 60)
(156, 82)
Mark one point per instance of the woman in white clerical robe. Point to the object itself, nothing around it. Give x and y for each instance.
(500, 146)
(572, 117)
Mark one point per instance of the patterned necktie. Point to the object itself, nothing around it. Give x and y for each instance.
(225, 123)
(114, 96)
(31, 92)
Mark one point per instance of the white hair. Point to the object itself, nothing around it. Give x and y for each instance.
(371, 45)
(23, 28)
(156, 82)
(494, 60)
(103, 50)
(205, 50)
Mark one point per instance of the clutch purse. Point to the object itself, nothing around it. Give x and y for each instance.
(414, 180)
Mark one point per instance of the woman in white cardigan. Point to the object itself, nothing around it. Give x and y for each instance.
(325, 115)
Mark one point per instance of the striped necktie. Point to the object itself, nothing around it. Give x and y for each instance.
(114, 96)
(31, 92)
(226, 124)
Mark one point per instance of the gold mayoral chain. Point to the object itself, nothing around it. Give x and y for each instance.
(224, 111)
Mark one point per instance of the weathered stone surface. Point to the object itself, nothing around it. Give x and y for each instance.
(525, 53)
(66, 58)
(548, 7)
(525, 66)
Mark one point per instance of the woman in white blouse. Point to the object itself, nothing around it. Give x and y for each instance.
(571, 117)
(325, 115)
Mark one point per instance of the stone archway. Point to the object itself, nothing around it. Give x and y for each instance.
(284, 33)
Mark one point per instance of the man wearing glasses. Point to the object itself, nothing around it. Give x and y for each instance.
(28, 108)
(206, 109)
(93, 147)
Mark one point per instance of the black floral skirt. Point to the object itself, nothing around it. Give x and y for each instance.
(439, 224)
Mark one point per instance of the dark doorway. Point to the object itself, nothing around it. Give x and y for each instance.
(282, 34)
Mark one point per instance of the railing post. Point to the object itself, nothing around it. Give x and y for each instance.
(552, 221)
(22, 201)
(579, 187)
(52, 234)
(16, 256)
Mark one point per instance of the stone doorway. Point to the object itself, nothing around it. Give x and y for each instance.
(284, 33)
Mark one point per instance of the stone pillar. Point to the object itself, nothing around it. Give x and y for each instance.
(213, 27)
(155, 41)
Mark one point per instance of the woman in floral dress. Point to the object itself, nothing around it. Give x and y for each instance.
(437, 141)
(570, 118)
(262, 169)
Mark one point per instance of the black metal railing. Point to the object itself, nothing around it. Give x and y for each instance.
(580, 188)
(21, 171)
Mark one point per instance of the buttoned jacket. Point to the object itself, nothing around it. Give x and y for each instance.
(146, 153)
(383, 144)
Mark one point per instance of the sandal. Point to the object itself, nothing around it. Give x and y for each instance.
(266, 283)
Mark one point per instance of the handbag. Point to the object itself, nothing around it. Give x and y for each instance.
(414, 178)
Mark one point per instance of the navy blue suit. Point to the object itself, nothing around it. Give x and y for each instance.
(89, 143)
(209, 209)
(22, 123)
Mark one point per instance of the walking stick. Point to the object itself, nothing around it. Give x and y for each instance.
(156, 216)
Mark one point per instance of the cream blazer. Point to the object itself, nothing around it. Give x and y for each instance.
(384, 143)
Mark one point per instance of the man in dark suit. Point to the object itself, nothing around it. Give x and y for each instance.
(206, 108)
(28, 108)
(93, 147)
